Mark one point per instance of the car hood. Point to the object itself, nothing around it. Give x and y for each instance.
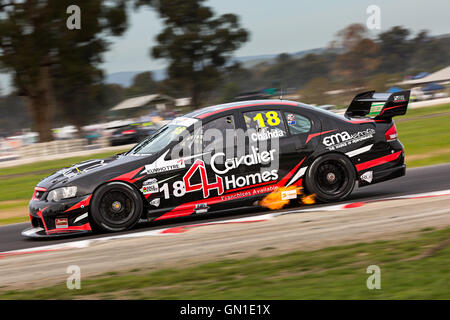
(91, 172)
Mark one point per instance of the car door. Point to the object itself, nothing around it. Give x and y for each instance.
(202, 180)
(285, 133)
(297, 145)
(265, 127)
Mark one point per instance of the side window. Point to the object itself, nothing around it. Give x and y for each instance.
(265, 123)
(218, 131)
(297, 123)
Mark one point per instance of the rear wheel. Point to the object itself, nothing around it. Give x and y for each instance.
(116, 206)
(331, 177)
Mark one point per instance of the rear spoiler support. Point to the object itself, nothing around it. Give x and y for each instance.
(380, 105)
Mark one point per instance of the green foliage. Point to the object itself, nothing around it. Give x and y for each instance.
(143, 84)
(313, 93)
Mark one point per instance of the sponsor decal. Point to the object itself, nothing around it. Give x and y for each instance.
(367, 176)
(343, 139)
(150, 186)
(155, 202)
(266, 134)
(201, 208)
(162, 165)
(291, 119)
(289, 194)
(375, 108)
(250, 159)
(61, 223)
(397, 98)
(204, 184)
(219, 181)
(249, 193)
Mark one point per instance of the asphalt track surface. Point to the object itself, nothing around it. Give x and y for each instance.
(417, 180)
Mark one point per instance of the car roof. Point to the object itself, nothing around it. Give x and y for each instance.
(212, 110)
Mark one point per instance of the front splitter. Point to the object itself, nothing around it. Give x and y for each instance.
(39, 233)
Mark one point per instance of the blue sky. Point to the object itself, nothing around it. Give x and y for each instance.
(277, 26)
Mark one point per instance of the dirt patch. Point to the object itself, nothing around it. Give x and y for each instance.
(16, 212)
(425, 116)
(427, 155)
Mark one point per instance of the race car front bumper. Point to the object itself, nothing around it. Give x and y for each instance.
(62, 218)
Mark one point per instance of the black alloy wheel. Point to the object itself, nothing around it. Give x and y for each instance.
(116, 206)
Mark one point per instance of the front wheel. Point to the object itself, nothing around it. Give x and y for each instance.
(116, 206)
(331, 177)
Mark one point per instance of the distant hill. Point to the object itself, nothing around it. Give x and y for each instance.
(125, 78)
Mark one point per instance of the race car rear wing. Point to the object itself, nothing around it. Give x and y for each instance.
(379, 105)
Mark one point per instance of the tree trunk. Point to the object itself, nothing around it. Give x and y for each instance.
(41, 105)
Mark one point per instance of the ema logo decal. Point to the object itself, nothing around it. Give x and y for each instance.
(336, 138)
(342, 139)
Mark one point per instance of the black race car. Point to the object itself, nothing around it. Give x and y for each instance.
(132, 133)
(223, 157)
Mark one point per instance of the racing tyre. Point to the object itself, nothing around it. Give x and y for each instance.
(116, 206)
(331, 177)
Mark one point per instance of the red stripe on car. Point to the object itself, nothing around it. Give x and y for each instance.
(317, 134)
(378, 161)
(84, 227)
(290, 174)
(129, 176)
(84, 202)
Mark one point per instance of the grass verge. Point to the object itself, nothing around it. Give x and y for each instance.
(19, 219)
(415, 268)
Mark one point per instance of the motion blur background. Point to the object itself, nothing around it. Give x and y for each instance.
(132, 65)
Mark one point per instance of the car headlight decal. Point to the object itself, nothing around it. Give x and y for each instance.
(62, 193)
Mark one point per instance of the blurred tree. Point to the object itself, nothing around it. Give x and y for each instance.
(38, 48)
(349, 37)
(311, 66)
(314, 91)
(395, 49)
(429, 53)
(143, 84)
(358, 63)
(358, 56)
(229, 91)
(379, 82)
(13, 115)
(195, 42)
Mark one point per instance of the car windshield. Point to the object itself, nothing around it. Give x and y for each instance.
(163, 137)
